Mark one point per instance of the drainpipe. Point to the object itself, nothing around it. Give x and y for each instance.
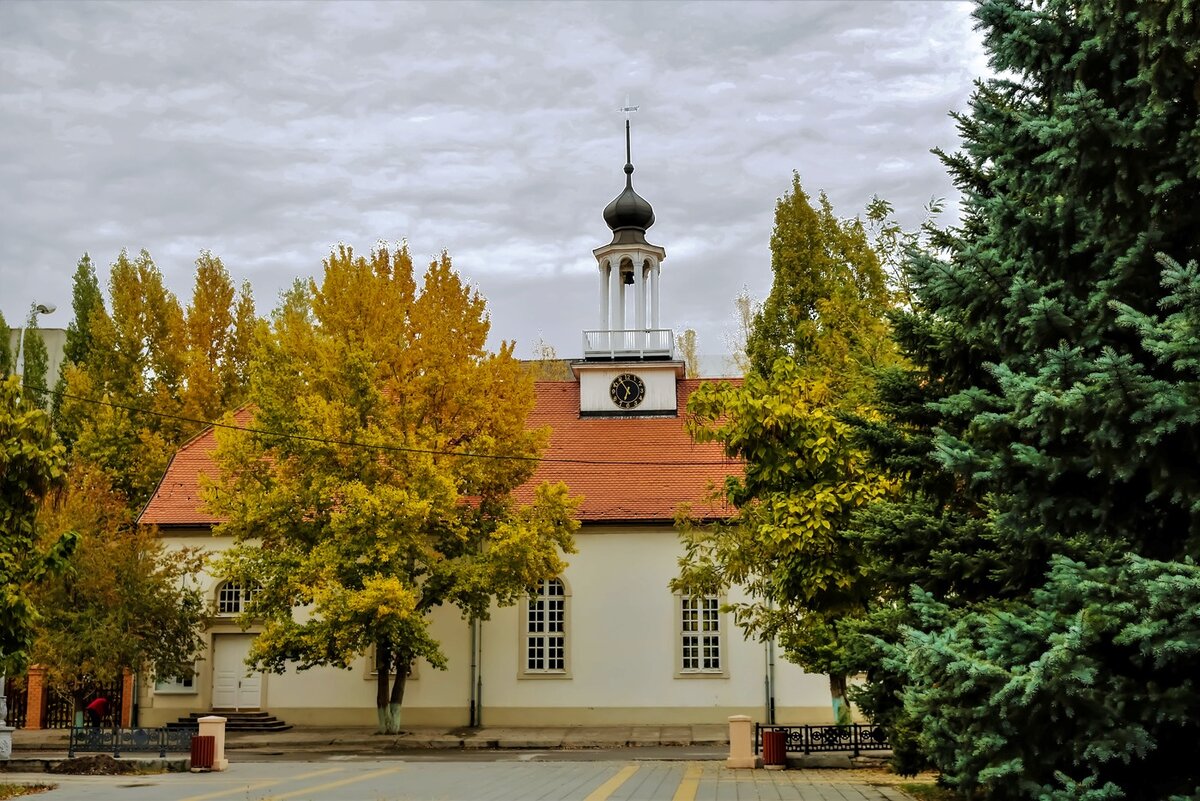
(474, 670)
(771, 682)
(479, 677)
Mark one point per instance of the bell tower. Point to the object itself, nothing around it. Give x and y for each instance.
(629, 366)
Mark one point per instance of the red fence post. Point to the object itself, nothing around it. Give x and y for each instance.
(126, 697)
(35, 698)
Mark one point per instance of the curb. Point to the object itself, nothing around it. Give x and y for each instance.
(45, 764)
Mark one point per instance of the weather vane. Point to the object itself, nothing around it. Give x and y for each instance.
(628, 109)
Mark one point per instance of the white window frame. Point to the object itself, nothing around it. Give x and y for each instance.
(545, 620)
(701, 647)
(244, 596)
(177, 686)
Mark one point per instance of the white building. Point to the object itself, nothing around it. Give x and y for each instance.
(606, 643)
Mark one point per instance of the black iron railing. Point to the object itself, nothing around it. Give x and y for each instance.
(854, 737)
(132, 741)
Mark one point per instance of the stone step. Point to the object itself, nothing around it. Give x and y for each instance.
(237, 721)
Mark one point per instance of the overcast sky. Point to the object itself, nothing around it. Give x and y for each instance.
(267, 132)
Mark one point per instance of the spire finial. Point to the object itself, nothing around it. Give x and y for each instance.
(628, 212)
(628, 109)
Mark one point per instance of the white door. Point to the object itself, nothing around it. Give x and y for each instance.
(234, 685)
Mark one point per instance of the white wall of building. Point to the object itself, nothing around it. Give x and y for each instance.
(623, 659)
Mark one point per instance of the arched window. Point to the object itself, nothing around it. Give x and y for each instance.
(545, 629)
(233, 597)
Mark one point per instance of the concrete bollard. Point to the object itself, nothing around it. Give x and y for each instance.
(214, 726)
(741, 743)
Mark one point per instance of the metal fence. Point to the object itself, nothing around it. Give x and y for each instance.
(14, 691)
(132, 741)
(855, 738)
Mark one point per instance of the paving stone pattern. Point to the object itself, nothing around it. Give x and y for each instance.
(398, 780)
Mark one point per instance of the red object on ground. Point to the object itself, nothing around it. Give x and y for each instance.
(203, 748)
(774, 747)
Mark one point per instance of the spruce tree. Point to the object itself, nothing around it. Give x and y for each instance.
(1049, 426)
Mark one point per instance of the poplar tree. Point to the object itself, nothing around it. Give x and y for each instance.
(128, 378)
(812, 350)
(376, 482)
(6, 354)
(1048, 433)
(86, 300)
(828, 294)
(686, 347)
(220, 330)
(35, 364)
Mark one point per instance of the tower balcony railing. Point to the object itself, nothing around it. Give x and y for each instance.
(643, 343)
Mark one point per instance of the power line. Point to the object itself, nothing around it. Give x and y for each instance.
(387, 447)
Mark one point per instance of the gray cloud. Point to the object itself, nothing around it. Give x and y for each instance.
(267, 132)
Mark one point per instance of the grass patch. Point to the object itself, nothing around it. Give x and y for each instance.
(14, 790)
(928, 791)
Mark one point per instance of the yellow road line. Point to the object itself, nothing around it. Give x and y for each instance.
(259, 785)
(338, 783)
(691, 782)
(602, 792)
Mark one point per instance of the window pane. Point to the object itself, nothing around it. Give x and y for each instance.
(545, 627)
(229, 598)
(700, 624)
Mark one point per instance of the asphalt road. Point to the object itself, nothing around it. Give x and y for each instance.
(511, 777)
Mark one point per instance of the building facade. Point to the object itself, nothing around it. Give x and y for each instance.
(607, 642)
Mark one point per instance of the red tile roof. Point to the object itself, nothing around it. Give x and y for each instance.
(176, 500)
(626, 469)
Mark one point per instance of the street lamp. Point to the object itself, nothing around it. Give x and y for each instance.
(19, 369)
(18, 366)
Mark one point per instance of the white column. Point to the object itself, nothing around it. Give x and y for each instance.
(654, 293)
(620, 321)
(639, 286)
(605, 273)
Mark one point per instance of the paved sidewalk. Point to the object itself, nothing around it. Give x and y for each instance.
(399, 780)
(28, 743)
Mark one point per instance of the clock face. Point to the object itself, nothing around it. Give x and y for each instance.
(627, 391)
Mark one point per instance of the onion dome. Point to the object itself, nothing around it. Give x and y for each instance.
(629, 209)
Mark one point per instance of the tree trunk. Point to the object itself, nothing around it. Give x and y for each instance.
(837, 694)
(387, 703)
(397, 696)
(383, 660)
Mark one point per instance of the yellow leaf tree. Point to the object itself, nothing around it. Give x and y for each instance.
(133, 375)
(383, 489)
(220, 327)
